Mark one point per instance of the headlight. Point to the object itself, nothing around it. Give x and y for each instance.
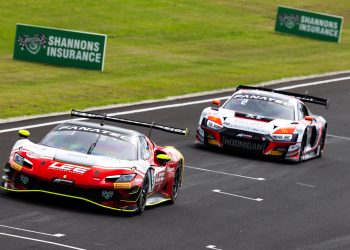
(283, 134)
(213, 125)
(19, 159)
(282, 137)
(120, 178)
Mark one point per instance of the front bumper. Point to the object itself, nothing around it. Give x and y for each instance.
(245, 141)
(120, 200)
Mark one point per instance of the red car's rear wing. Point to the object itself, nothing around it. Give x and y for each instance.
(304, 98)
(152, 125)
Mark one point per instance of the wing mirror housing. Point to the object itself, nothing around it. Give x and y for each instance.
(23, 133)
(309, 118)
(215, 104)
(163, 158)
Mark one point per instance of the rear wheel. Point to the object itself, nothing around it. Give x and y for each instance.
(141, 202)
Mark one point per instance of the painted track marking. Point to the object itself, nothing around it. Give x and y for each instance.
(306, 185)
(171, 105)
(43, 241)
(26, 230)
(236, 195)
(219, 172)
(213, 247)
(340, 137)
(315, 83)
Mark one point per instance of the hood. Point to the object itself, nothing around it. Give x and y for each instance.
(251, 123)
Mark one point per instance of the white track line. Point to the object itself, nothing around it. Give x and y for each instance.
(340, 137)
(26, 230)
(306, 185)
(236, 175)
(43, 241)
(239, 196)
(172, 105)
(315, 83)
(115, 114)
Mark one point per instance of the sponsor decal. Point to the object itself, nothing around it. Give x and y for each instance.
(160, 177)
(107, 194)
(63, 181)
(245, 145)
(245, 136)
(263, 98)
(94, 130)
(24, 179)
(125, 185)
(68, 168)
(247, 125)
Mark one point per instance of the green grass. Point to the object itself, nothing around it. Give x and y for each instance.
(161, 48)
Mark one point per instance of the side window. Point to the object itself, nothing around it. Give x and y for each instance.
(145, 150)
(302, 111)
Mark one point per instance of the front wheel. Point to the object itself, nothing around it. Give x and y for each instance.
(141, 202)
(176, 185)
(322, 143)
(302, 148)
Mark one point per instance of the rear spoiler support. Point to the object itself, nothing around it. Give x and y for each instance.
(304, 98)
(152, 125)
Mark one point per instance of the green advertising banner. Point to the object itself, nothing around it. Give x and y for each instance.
(307, 23)
(60, 47)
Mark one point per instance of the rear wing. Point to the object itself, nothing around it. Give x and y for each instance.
(152, 125)
(304, 98)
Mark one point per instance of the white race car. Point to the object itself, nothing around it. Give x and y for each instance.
(265, 121)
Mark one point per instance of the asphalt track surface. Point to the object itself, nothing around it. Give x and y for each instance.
(262, 203)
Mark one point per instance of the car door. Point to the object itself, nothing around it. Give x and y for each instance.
(311, 130)
(158, 170)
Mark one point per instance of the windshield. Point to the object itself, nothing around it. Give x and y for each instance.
(261, 107)
(92, 143)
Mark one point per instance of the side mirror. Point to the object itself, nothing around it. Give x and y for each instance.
(23, 133)
(163, 158)
(309, 118)
(215, 104)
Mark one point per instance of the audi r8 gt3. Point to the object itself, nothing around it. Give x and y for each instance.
(109, 166)
(267, 122)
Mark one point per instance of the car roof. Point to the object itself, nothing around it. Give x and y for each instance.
(124, 131)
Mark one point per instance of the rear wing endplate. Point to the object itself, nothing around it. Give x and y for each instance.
(152, 125)
(304, 98)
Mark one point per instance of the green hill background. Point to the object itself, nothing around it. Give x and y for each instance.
(161, 48)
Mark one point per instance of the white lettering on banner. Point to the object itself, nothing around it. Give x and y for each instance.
(74, 49)
(319, 26)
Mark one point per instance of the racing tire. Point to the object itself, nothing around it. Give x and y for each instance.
(141, 202)
(322, 143)
(176, 185)
(302, 147)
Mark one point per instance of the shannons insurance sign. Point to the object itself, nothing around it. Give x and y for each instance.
(307, 23)
(60, 47)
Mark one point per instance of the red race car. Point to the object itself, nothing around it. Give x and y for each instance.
(112, 167)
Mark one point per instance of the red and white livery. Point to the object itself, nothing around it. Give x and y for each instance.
(112, 167)
(265, 121)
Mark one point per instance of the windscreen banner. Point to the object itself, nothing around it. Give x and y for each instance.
(60, 47)
(308, 23)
